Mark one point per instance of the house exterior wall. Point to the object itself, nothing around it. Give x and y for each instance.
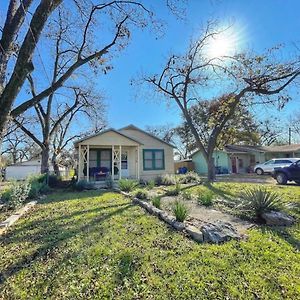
(221, 160)
(152, 143)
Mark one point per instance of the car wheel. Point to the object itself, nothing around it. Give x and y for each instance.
(281, 178)
(259, 171)
(297, 181)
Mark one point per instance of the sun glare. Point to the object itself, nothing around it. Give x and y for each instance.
(226, 43)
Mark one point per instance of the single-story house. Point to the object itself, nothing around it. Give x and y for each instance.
(242, 159)
(129, 152)
(22, 170)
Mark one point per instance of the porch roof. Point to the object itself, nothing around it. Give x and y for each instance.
(121, 134)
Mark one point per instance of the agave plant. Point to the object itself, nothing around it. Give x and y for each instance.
(259, 200)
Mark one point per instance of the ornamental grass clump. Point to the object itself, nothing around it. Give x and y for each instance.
(174, 191)
(205, 198)
(150, 184)
(156, 201)
(127, 185)
(257, 201)
(168, 179)
(180, 211)
(190, 177)
(141, 194)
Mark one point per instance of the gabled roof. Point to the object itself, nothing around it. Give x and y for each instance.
(105, 131)
(131, 126)
(262, 149)
(270, 149)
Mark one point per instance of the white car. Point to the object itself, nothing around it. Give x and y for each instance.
(269, 165)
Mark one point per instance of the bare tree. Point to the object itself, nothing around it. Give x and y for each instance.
(53, 115)
(16, 145)
(80, 37)
(13, 26)
(248, 77)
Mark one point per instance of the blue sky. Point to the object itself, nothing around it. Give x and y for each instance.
(261, 24)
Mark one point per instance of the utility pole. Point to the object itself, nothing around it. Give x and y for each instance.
(290, 135)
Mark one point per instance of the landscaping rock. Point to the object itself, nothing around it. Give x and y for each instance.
(277, 218)
(195, 233)
(178, 225)
(219, 232)
(167, 218)
(156, 211)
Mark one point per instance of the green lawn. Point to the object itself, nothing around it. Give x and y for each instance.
(99, 246)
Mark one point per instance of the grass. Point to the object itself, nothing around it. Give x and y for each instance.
(94, 245)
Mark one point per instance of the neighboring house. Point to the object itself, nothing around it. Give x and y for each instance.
(220, 158)
(129, 152)
(22, 170)
(242, 159)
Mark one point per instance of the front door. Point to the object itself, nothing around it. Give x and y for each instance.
(233, 165)
(124, 164)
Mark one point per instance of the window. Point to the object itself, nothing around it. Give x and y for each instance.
(270, 162)
(124, 160)
(153, 159)
(283, 161)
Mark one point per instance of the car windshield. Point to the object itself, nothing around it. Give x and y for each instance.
(270, 162)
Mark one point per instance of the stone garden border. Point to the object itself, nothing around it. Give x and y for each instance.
(16, 216)
(192, 231)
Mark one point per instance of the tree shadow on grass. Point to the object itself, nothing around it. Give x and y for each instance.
(52, 234)
(220, 192)
(283, 233)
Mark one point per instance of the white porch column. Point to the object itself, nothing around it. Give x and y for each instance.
(138, 162)
(79, 163)
(88, 163)
(112, 162)
(120, 162)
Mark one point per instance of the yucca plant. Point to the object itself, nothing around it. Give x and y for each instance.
(127, 185)
(259, 200)
(156, 202)
(180, 211)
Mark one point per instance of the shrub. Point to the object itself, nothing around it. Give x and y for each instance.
(53, 181)
(140, 194)
(37, 189)
(186, 195)
(158, 180)
(190, 177)
(174, 191)
(168, 179)
(156, 201)
(41, 178)
(127, 185)
(150, 184)
(16, 195)
(259, 200)
(83, 185)
(180, 211)
(206, 198)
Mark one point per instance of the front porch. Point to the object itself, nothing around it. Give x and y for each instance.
(98, 163)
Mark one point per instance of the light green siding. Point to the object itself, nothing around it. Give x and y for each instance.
(221, 160)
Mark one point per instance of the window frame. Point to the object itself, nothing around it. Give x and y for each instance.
(153, 151)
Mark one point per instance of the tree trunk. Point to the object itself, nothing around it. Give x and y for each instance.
(45, 160)
(55, 165)
(211, 173)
